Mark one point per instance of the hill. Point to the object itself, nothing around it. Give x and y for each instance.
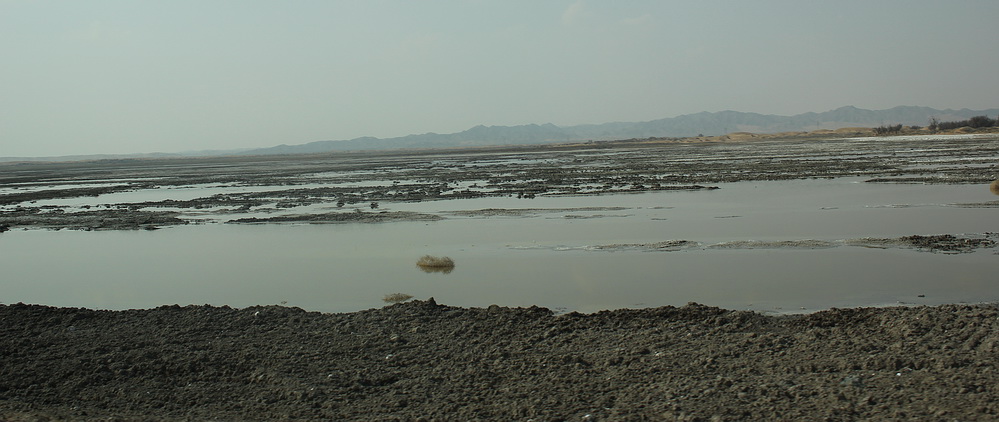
(704, 123)
(688, 125)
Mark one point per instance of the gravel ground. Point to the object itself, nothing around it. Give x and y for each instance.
(421, 360)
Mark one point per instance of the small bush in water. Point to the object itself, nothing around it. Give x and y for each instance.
(397, 298)
(435, 262)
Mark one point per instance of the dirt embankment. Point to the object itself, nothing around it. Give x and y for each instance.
(424, 361)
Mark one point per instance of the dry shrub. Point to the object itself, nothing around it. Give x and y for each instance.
(433, 264)
(397, 297)
(994, 187)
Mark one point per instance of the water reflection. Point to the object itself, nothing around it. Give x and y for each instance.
(429, 270)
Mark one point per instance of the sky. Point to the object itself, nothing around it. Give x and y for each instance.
(116, 77)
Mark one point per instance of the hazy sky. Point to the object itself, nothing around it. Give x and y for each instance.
(96, 76)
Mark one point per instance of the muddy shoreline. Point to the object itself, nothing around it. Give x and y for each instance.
(421, 360)
(275, 189)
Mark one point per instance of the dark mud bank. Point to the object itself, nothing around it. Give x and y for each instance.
(424, 361)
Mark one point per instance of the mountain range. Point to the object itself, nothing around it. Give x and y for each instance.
(704, 123)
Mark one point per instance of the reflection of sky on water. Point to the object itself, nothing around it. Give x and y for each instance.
(539, 257)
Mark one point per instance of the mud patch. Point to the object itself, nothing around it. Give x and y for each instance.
(776, 244)
(668, 245)
(946, 243)
(989, 204)
(112, 219)
(341, 217)
(44, 194)
(593, 216)
(529, 212)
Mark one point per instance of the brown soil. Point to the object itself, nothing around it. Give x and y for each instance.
(424, 361)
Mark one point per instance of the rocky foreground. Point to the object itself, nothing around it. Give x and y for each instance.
(425, 361)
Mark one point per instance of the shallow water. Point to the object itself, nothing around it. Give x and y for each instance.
(545, 256)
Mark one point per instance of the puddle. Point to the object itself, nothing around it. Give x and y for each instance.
(788, 250)
(517, 235)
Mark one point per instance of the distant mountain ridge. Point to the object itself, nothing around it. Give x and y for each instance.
(703, 123)
(688, 125)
